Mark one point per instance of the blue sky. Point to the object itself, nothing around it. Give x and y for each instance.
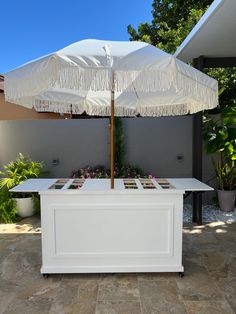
(32, 28)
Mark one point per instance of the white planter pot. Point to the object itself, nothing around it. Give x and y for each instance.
(25, 207)
(226, 200)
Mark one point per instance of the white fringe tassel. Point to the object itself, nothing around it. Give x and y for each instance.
(122, 111)
(53, 75)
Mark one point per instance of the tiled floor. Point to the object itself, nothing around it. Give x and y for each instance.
(209, 285)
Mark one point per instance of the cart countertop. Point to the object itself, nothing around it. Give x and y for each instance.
(43, 185)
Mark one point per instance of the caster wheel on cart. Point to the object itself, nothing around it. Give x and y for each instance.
(45, 275)
(181, 274)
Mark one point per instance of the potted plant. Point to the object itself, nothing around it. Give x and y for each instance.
(15, 173)
(226, 177)
(220, 136)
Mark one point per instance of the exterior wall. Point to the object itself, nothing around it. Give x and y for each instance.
(76, 143)
(155, 143)
(151, 143)
(9, 111)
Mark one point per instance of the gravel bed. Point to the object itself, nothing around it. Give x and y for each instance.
(210, 213)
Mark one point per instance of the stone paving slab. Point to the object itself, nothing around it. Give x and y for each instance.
(26, 225)
(209, 285)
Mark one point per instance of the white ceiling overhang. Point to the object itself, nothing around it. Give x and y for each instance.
(214, 35)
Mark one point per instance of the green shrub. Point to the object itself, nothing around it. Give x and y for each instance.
(7, 207)
(18, 171)
(220, 138)
(226, 175)
(36, 200)
(15, 173)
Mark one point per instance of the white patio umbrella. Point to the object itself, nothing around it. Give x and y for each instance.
(109, 78)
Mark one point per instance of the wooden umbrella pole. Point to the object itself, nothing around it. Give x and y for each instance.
(112, 132)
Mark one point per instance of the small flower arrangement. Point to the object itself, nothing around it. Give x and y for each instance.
(101, 172)
(89, 172)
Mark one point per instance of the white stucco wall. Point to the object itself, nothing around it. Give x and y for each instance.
(76, 143)
(151, 143)
(154, 143)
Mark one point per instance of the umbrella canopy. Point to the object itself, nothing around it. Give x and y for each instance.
(108, 78)
(80, 77)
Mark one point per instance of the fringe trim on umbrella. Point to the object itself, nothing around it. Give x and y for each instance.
(54, 74)
(171, 110)
(84, 80)
(143, 81)
(199, 92)
(90, 109)
(120, 111)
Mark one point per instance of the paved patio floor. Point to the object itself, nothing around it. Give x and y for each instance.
(209, 285)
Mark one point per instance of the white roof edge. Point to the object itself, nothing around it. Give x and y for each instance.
(213, 8)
